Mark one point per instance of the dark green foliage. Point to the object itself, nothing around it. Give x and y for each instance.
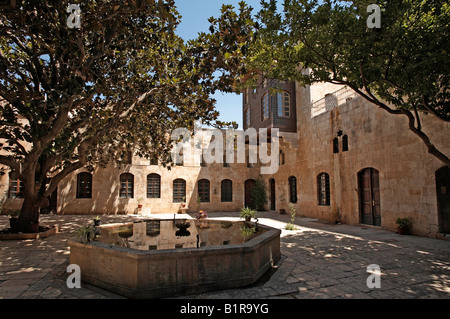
(259, 195)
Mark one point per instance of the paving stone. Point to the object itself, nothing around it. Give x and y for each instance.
(320, 261)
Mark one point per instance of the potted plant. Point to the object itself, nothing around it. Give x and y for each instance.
(403, 226)
(13, 216)
(183, 204)
(247, 213)
(140, 200)
(85, 234)
(201, 214)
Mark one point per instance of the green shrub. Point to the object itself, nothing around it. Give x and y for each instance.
(259, 195)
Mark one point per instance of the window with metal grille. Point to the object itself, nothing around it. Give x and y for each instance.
(16, 187)
(265, 107)
(292, 189)
(84, 185)
(323, 189)
(127, 185)
(203, 190)
(283, 104)
(179, 190)
(226, 188)
(153, 186)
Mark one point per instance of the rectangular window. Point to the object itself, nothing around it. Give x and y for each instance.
(283, 104)
(323, 189)
(153, 186)
(16, 187)
(126, 185)
(179, 191)
(292, 189)
(203, 190)
(84, 185)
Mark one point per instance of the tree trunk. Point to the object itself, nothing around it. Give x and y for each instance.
(28, 215)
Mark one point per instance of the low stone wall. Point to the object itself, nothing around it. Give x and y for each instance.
(164, 273)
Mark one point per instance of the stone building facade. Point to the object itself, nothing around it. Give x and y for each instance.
(340, 159)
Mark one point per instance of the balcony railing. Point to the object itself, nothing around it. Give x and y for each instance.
(332, 100)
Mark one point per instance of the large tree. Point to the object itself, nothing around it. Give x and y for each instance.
(403, 67)
(82, 97)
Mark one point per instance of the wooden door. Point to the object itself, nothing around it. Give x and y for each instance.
(248, 200)
(272, 194)
(369, 196)
(443, 198)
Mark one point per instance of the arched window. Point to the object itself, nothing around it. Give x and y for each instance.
(283, 104)
(292, 189)
(126, 185)
(16, 187)
(84, 185)
(335, 145)
(226, 190)
(281, 160)
(265, 107)
(247, 117)
(179, 190)
(203, 190)
(323, 189)
(153, 186)
(345, 143)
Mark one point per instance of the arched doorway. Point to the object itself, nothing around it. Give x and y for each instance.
(369, 196)
(443, 198)
(248, 186)
(272, 194)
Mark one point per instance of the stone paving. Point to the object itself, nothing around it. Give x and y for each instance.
(319, 260)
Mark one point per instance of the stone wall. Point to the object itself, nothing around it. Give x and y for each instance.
(376, 139)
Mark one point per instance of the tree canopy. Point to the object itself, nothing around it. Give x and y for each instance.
(403, 67)
(82, 97)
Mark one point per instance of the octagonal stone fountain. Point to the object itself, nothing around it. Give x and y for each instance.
(159, 258)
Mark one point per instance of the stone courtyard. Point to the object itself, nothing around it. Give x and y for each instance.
(319, 260)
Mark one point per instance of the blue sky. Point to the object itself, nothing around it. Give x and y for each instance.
(195, 14)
